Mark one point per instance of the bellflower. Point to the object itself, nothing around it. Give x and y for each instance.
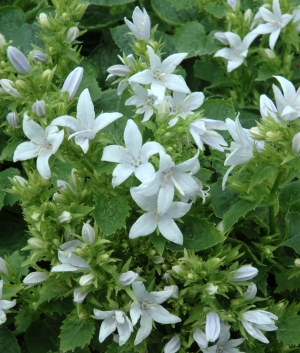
(121, 70)
(274, 22)
(133, 158)
(267, 108)
(250, 292)
(141, 25)
(147, 223)
(18, 60)
(173, 345)
(72, 82)
(79, 295)
(256, 320)
(212, 326)
(4, 305)
(35, 278)
(244, 273)
(43, 144)
(114, 320)
(7, 85)
(128, 277)
(200, 337)
(238, 49)
(160, 74)
(148, 308)
(183, 105)
(85, 126)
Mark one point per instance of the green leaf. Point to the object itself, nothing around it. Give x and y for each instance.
(76, 333)
(291, 36)
(108, 102)
(265, 72)
(52, 288)
(26, 35)
(110, 2)
(15, 261)
(261, 173)
(284, 283)
(290, 195)
(207, 71)
(219, 109)
(24, 317)
(2, 193)
(218, 11)
(9, 199)
(8, 342)
(158, 241)
(191, 38)
(110, 213)
(198, 234)
(288, 328)
(292, 232)
(248, 119)
(11, 19)
(9, 150)
(89, 81)
(97, 17)
(42, 335)
(122, 38)
(222, 200)
(169, 47)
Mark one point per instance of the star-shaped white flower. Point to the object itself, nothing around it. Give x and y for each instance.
(274, 22)
(141, 25)
(183, 105)
(160, 74)
(85, 127)
(133, 158)
(43, 144)
(149, 309)
(4, 305)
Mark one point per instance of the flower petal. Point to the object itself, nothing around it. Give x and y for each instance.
(170, 230)
(145, 225)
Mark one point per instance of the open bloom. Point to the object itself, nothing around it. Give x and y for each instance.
(160, 74)
(133, 158)
(183, 105)
(224, 343)
(273, 22)
(148, 308)
(114, 320)
(85, 126)
(43, 144)
(4, 305)
(141, 25)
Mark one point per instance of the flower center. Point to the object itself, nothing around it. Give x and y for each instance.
(159, 76)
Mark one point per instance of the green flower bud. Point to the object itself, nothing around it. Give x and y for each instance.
(36, 243)
(43, 19)
(86, 280)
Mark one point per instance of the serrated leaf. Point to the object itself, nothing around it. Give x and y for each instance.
(219, 109)
(292, 232)
(9, 199)
(222, 200)
(110, 213)
(284, 283)
(218, 11)
(289, 195)
(52, 288)
(261, 173)
(207, 71)
(122, 38)
(10, 148)
(158, 241)
(291, 36)
(24, 317)
(97, 17)
(8, 342)
(198, 234)
(288, 328)
(76, 333)
(266, 72)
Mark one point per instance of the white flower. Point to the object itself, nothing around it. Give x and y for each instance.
(43, 144)
(232, 3)
(211, 289)
(288, 103)
(72, 34)
(114, 320)
(202, 131)
(144, 101)
(4, 305)
(18, 60)
(267, 108)
(175, 290)
(85, 127)
(141, 25)
(121, 70)
(147, 223)
(183, 105)
(160, 74)
(128, 277)
(212, 326)
(133, 158)
(79, 295)
(12, 119)
(148, 308)
(245, 273)
(173, 345)
(238, 50)
(200, 338)
(274, 22)
(199, 192)
(7, 85)
(250, 292)
(65, 217)
(72, 82)
(224, 344)
(86, 280)
(35, 278)
(256, 320)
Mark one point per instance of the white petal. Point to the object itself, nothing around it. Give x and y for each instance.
(178, 209)
(255, 332)
(101, 315)
(133, 138)
(6, 304)
(145, 225)
(67, 121)
(147, 203)
(170, 230)
(200, 338)
(144, 330)
(161, 315)
(135, 312)
(149, 149)
(170, 63)
(177, 83)
(33, 130)
(212, 326)
(121, 173)
(85, 109)
(115, 153)
(165, 198)
(42, 163)
(64, 268)
(124, 331)
(144, 171)
(107, 327)
(24, 151)
(105, 119)
(144, 77)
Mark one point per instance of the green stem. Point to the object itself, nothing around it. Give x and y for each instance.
(84, 162)
(272, 210)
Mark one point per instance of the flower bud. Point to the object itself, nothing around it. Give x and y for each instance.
(212, 326)
(20, 84)
(250, 292)
(20, 180)
(72, 34)
(18, 60)
(167, 277)
(79, 295)
(297, 262)
(8, 88)
(174, 289)
(245, 273)
(158, 259)
(39, 107)
(173, 345)
(47, 76)
(128, 277)
(86, 280)
(12, 119)
(35, 278)
(163, 110)
(178, 269)
(88, 233)
(39, 56)
(200, 338)
(43, 19)
(2, 40)
(296, 143)
(3, 268)
(65, 217)
(248, 15)
(270, 53)
(211, 289)
(36, 243)
(72, 82)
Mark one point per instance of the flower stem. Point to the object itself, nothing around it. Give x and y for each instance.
(272, 209)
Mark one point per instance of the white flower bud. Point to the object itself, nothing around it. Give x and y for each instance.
(297, 262)
(141, 24)
(296, 143)
(43, 19)
(86, 280)
(163, 110)
(211, 289)
(35, 278)
(88, 233)
(72, 34)
(248, 15)
(270, 53)
(39, 107)
(65, 217)
(20, 180)
(18, 60)
(212, 326)
(167, 277)
(245, 273)
(3, 268)
(47, 75)
(200, 338)
(174, 289)
(39, 56)
(178, 269)
(128, 277)
(2, 40)
(79, 295)
(36, 243)
(8, 88)
(72, 82)
(250, 292)
(12, 119)
(173, 345)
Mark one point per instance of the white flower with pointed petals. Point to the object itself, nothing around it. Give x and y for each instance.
(149, 309)
(114, 320)
(212, 326)
(133, 158)
(160, 74)
(267, 108)
(224, 343)
(256, 320)
(85, 127)
(236, 54)
(141, 25)
(43, 144)
(4, 305)
(274, 22)
(183, 105)
(121, 70)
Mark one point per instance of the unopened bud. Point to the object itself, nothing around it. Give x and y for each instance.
(8, 88)
(12, 119)
(128, 277)
(20, 84)
(211, 289)
(43, 19)
(178, 269)
(250, 292)
(88, 233)
(174, 289)
(296, 143)
(248, 15)
(72, 34)
(270, 53)
(212, 326)
(297, 262)
(35, 278)
(47, 76)
(232, 3)
(36, 243)
(173, 345)
(39, 56)
(3, 268)
(65, 217)
(86, 280)
(72, 82)
(245, 273)
(39, 107)
(103, 258)
(20, 180)
(18, 60)
(79, 295)
(158, 259)
(2, 40)
(163, 110)
(221, 37)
